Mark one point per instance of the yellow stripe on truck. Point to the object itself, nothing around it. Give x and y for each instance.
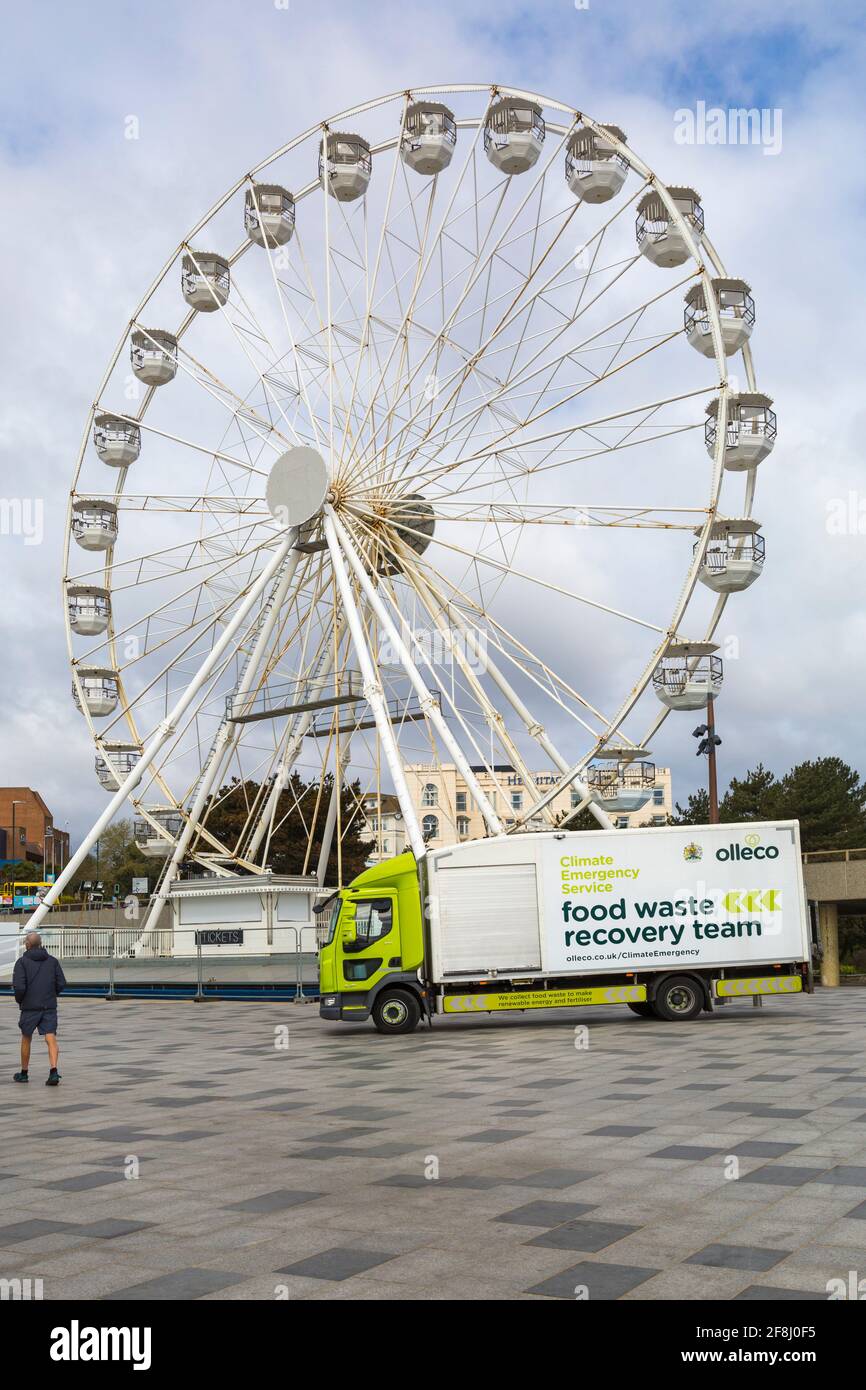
(764, 984)
(543, 999)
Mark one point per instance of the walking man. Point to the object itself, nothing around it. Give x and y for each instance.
(36, 981)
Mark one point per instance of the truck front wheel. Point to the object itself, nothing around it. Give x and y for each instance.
(396, 1011)
(678, 999)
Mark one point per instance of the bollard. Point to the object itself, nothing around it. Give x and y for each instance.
(112, 994)
(111, 991)
(199, 996)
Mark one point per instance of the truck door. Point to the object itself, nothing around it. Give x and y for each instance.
(375, 949)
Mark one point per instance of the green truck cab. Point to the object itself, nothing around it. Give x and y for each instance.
(374, 946)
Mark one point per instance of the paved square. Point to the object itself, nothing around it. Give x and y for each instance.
(189, 1154)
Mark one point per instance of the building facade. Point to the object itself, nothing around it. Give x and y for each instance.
(383, 823)
(30, 830)
(447, 813)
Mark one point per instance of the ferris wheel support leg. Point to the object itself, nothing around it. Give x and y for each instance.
(225, 740)
(539, 734)
(479, 651)
(372, 688)
(494, 718)
(335, 529)
(165, 731)
(328, 831)
(293, 747)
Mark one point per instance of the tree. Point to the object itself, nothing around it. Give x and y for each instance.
(24, 871)
(584, 820)
(302, 807)
(828, 798)
(696, 810)
(119, 862)
(752, 797)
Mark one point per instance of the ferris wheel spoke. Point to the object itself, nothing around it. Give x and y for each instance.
(565, 432)
(478, 557)
(216, 454)
(570, 355)
(435, 611)
(484, 630)
(517, 309)
(372, 282)
(290, 335)
(436, 243)
(221, 393)
(208, 624)
(492, 716)
(337, 536)
(533, 726)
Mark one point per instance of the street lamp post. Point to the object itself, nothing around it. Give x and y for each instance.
(709, 743)
(19, 801)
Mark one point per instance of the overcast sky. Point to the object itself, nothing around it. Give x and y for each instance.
(90, 215)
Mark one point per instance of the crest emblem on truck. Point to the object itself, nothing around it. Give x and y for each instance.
(692, 851)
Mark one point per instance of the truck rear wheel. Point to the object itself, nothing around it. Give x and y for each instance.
(678, 999)
(643, 1010)
(396, 1011)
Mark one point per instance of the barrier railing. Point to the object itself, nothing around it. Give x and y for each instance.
(176, 960)
(830, 856)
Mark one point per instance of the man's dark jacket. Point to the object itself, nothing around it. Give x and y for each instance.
(37, 980)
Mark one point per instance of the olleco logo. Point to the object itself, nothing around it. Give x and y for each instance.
(77, 1343)
(752, 849)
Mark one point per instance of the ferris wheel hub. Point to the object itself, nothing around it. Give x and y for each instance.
(297, 486)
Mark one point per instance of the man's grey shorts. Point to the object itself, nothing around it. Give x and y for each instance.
(43, 1019)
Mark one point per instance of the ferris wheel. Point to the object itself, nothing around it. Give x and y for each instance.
(439, 461)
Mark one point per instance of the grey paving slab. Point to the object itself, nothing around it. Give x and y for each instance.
(338, 1263)
(622, 1131)
(544, 1213)
(111, 1228)
(761, 1148)
(765, 1293)
(600, 1281)
(737, 1257)
(180, 1284)
(494, 1136)
(686, 1151)
(783, 1175)
(585, 1235)
(554, 1177)
(31, 1229)
(280, 1200)
(83, 1181)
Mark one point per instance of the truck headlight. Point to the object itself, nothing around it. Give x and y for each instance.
(330, 1000)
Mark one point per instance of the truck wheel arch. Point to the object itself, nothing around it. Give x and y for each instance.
(398, 994)
(701, 986)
